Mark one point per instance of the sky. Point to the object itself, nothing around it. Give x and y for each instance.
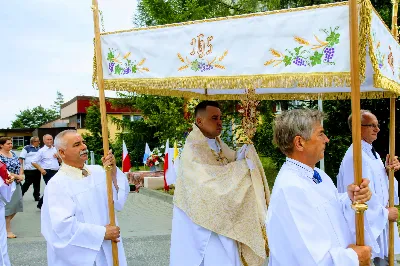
(47, 46)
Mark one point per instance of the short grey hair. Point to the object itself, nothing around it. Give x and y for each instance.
(34, 138)
(297, 122)
(59, 141)
(45, 135)
(362, 113)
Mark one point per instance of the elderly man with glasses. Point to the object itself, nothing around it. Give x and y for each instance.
(32, 175)
(377, 172)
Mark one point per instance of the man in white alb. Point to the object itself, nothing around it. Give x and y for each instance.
(309, 223)
(220, 199)
(373, 167)
(75, 221)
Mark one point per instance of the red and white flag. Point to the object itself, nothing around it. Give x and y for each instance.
(166, 187)
(126, 161)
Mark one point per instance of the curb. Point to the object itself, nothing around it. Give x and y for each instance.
(156, 194)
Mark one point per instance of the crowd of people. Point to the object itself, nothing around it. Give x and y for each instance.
(223, 211)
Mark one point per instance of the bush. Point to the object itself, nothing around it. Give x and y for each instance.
(270, 170)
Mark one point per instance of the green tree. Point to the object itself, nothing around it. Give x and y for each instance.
(163, 114)
(58, 102)
(33, 118)
(93, 138)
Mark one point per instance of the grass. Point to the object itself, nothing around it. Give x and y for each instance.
(170, 191)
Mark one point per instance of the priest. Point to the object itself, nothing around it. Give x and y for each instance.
(221, 198)
(74, 218)
(373, 167)
(309, 222)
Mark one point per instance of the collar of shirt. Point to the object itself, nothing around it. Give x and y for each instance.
(303, 169)
(213, 143)
(73, 172)
(47, 147)
(367, 148)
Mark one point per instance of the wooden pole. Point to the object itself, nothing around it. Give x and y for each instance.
(391, 177)
(104, 129)
(392, 143)
(356, 120)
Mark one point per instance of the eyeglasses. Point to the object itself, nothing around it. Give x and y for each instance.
(372, 125)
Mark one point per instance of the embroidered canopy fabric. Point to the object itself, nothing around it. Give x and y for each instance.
(298, 53)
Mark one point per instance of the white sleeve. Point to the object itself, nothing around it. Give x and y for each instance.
(375, 219)
(7, 190)
(377, 214)
(23, 153)
(121, 195)
(64, 233)
(294, 230)
(38, 157)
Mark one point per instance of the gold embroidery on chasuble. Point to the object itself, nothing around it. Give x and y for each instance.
(223, 195)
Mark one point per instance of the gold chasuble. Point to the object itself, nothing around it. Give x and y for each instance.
(223, 195)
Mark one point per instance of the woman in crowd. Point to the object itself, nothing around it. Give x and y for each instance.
(10, 159)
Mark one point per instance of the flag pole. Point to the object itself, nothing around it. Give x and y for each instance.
(104, 130)
(356, 117)
(392, 142)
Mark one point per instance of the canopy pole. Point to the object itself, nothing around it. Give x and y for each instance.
(356, 123)
(104, 129)
(392, 142)
(321, 108)
(391, 177)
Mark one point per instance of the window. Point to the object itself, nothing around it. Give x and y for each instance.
(132, 117)
(18, 141)
(136, 117)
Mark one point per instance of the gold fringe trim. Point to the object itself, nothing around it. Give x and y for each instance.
(364, 33)
(258, 14)
(387, 84)
(286, 80)
(94, 75)
(392, 87)
(270, 96)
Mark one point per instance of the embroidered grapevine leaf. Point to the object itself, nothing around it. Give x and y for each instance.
(287, 60)
(333, 38)
(110, 56)
(195, 65)
(118, 69)
(316, 58)
(124, 65)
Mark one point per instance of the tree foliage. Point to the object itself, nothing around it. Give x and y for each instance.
(58, 102)
(34, 118)
(94, 137)
(38, 116)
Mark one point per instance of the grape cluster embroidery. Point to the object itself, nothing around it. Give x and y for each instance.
(124, 65)
(380, 57)
(307, 54)
(202, 64)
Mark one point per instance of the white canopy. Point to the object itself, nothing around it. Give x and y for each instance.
(297, 53)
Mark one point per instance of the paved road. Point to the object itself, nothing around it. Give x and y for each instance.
(145, 227)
